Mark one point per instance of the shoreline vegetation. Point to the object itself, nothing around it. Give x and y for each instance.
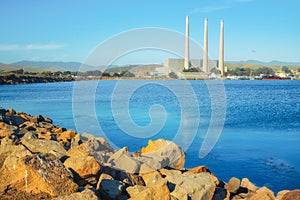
(146, 72)
(40, 160)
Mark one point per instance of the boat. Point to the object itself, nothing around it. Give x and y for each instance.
(275, 78)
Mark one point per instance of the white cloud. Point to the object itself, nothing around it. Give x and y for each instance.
(17, 47)
(9, 47)
(43, 46)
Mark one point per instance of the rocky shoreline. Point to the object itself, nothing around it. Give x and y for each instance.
(40, 160)
(26, 79)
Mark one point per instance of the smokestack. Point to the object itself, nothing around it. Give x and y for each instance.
(187, 50)
(221, 52)
(205, 47)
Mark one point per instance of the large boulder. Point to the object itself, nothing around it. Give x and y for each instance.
(35, 145)
(96, 147)
(263, 193)
(165, 149)
(36, 174)
(233, 185)
(122, 160)
(111, 189)
(8, 147)
(155, 192)
(134, 190)
(249, 185)
(7, 129)
(86, 194)
(83, 166)
(292, 195)
(192, 186)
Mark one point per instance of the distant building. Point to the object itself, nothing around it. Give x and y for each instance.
(178, 63)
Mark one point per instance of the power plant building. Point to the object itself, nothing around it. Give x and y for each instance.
(204, 64)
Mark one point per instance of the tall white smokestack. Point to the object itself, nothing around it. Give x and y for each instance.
(205, 47)
(187, 50)
(221, 52)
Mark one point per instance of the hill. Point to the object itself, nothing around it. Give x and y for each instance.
(271, 63)
(52, 65)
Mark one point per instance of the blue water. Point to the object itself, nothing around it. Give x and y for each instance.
(260, 138)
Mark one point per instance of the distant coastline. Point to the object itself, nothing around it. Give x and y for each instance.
(60, 72)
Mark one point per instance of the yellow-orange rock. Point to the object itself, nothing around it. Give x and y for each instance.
(36, 174)
(66, 135)
(84, 166)
(197, 170)
(149, 177)
(155, 192)
(161, 148)
(263, 193)
(292, 195)
(6, 129)
(247, 184)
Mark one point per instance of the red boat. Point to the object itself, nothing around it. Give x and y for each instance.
(275, 78)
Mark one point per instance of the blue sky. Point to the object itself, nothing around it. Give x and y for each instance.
(68, 30)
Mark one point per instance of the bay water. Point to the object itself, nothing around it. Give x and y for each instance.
(260, 138)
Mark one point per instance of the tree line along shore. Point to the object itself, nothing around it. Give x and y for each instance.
(40, 160)
(20, 76)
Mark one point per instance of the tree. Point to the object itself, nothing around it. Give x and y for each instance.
(299, 69)
(173, 75)
(192, 69)
(127, 74)
(286, 69)
(264, 71)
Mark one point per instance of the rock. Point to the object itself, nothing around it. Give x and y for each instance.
(154, 163)
(155, 192)
(134, 179)
(36, 174)
(93, 148)
(247, 184)
(145, 168)
(60, 130)
(42, 146)
(66, 135)
(221, 194)
(76, 141)
(6, 129)
(96, 144)
(16, 120)
(46, 125)
(263, 193)
(148, 178)
(103, 176)
(111, 189)
(122, 160)
(2, 112)
(156, 178)
(193, 186)
(281, 193)
(166, 172)
(9, 148)
(24, 116)
(10, 112)
(134, 190)
(86, 194)
(46, 136)
(47, 119)
(37, 119)
(233, 185)
(292, 195)
(197, 170)
(164, 148)
(84, 166)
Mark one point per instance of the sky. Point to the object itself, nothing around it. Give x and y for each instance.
(68, 30)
